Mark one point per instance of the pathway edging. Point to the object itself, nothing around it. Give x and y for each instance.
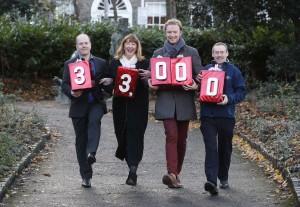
(24, 162)
(293, 182)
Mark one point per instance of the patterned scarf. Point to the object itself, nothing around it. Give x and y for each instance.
(129, 63)
(172, 50)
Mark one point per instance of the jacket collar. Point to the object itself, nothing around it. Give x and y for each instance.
(81, 58)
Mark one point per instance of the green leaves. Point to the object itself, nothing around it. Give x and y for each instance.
(151, 39)
(39, 49)
(18, 132)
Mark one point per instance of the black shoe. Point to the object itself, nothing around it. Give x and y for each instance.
(211, 188)
(91, 158)
(224, 184)
(86, 183)
(131, 179)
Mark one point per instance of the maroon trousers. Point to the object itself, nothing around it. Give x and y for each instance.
(176, 134)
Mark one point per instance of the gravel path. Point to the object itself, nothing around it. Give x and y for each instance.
(249, 187)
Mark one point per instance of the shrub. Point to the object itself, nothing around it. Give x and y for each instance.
(151, 39)
(18, 132)
(7, 157)
(38, 49)
(30, 50)
(284, 65)
(279, 98)
(203, 41)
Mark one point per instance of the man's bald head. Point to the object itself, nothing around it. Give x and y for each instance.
(83, 45)
(82, 36)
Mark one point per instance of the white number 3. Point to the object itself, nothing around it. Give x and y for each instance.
(80, 79)
(125, 83)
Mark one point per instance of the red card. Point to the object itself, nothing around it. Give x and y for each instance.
(160, 71)
(80, 75)
(125, 82)
(212, 85)
(181, 70)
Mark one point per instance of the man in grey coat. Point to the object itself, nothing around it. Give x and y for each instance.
(175, 106)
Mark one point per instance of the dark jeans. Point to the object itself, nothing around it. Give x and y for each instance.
(217, 134)
(176, 134)
(87, 131)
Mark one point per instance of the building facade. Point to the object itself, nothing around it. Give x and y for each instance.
(147, 13)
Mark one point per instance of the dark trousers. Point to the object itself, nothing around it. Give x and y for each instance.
(87, 132)
(217, 134)
(176, 134)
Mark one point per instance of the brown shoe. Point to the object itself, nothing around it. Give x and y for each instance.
(170, 181)
(179, 182)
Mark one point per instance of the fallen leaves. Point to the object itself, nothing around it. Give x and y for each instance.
(30, 90)
(47, 174)
(275, 132)
(249, 153)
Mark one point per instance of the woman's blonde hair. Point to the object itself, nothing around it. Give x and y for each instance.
(131, 38)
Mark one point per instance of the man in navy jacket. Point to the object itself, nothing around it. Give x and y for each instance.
(87, 107)
(218, 120)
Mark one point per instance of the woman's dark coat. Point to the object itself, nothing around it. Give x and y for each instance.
(130, 116)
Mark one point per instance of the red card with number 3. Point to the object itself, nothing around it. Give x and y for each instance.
(125, 82)
(80, 75)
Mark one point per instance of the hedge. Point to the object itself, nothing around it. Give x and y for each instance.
(30, 50)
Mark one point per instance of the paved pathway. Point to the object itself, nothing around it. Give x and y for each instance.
(249, 187)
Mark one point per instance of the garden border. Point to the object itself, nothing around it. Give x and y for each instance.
(24, 162)
(293, 182)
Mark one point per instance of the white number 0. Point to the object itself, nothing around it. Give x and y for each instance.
(161, 67)
(79, 71)
(178, 67)
(212, 83)
(125, 83)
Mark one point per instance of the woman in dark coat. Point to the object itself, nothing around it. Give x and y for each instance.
(130, 115)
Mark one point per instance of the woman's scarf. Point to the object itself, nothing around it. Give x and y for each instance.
(172, 50)
(128, 63)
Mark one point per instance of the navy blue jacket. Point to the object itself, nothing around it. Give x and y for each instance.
(80, 106)
(235, 90)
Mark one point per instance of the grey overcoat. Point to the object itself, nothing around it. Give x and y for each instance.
(176, 102)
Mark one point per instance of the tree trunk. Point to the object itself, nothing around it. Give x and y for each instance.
(76, 9)
(171, 9)
(115, 10)
(296, 22)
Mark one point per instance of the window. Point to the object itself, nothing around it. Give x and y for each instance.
(155, 15)
(157, 21)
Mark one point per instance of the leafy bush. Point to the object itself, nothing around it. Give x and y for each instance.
(203, 41)
(285, 63)
(8, 98)
(39, 48)
(151, 39)
(7, 157)
(18, 132)
(278, 98)
(31, 50)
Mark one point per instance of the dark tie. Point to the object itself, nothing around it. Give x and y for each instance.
(92, 67)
